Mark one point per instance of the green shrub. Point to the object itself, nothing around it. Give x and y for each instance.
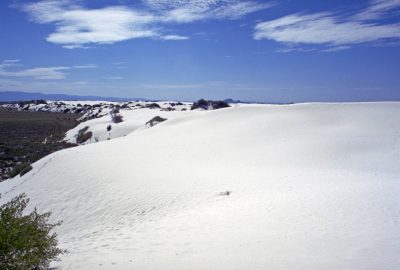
(20, 169)
(26, 169)
(26, 240)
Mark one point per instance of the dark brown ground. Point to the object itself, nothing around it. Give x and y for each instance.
(22, 134)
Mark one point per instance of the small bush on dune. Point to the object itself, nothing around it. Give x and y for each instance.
(200, 104)
(155, 120)
(219, 104)
(26, 240)
(153, 106)
(79, 110)
(209, 105)
(83, 135)
(116, 118)
(115, 110)
(25, 169)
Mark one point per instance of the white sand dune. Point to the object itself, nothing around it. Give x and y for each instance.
(313, 186)
(132, 120)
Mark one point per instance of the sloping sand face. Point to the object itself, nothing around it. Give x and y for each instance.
(308, 186)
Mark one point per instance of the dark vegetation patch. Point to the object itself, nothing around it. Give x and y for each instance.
(168, 109)
(116, 109)
(209, 104)
(20, 169)
(116, 118)
(26, 136)
(155, 120)
(153, 106)
(83, 135)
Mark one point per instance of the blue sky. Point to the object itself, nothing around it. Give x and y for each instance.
(277, 51)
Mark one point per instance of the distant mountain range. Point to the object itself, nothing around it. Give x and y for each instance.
(15, 96)
(9, 96)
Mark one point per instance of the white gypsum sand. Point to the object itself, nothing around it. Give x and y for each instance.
(311, 186)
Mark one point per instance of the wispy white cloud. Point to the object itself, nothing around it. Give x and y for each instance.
(7, 69)
(332, 30)
(192, 11)
(174, 37)
(86, 66)
(336, 49)
(238, 9)
(39, 73)
(294, 49)
(10, 61)
(379, 9)
(44, 86)
(75, 46)
(170, 4)
(77, 26)
(45, 73)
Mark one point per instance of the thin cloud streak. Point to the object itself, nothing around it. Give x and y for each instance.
(86, 66)
(174, 37)
(379, 9)
(38, 73)
(332, 30)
